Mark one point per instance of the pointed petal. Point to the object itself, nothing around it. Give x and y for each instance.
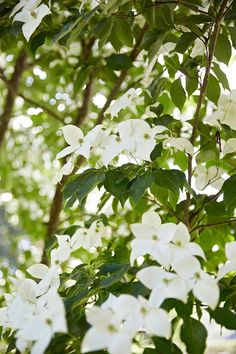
(29, 27)
(186, 266)
(230, 250)
(72, 135)
(151, 218)
(181, 234)
(150, 276)
(228, 267)
(95, 339)
(158, 323)
(38, 270)
(68, 150)
(207, 290)
(142, 231)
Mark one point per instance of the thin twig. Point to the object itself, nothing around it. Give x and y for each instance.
(203, 226)
(40, 105)
(212, 45)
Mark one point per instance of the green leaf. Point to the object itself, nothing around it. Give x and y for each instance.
(119, 62)
(223, 49)
(229, 190)
(177, 94)
(224, 317)
(164, 346)
(80, 25)
(184, 42)
(154, 48)
(191, 85)
(213, 89)
(156, 152)
(173, 180)
(140, 184)
(124, 32)
(117, 184)
(83, 184)
(232, 32)
(37, 42)
(194, 335)
(221, 76)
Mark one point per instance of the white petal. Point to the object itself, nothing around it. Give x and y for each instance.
(228, 267)
(207, 290)
(42, 11)
(66, 151)
(38, 270)
(158, 323)
(166, 232)
(142, 231)
(29, 27)
(144, 149)
(151, 218)
(195, 249)
(95, 339)
(23, 16)
(230, 146)
(230, 250)
(185, 265)
(181, 234)
(140, 248)
(73, 135)
(120, 343)
(182, 144)
(150, 276)
(41, 345)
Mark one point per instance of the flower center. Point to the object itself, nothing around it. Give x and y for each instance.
(178, 243)
(49, 321)
(166, 281)
(143, 311)
(112, 328)
(146, 136)
(155, 238)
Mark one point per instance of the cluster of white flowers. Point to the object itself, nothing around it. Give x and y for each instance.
(87, 238)
(119, 319)
(31, 13)
(134, 138)
(35, 311)
(169, 244)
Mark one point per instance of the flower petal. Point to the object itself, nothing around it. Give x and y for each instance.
(72, 135)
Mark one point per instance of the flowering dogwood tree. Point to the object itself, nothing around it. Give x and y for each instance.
(118, 145)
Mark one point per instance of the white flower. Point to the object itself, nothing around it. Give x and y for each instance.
(204, 287)
(108, 331)
(119, 319)
(208, 176)
(181, 243)
(126, 100)
(47, 319)
(163, 284)
(230, 265)
(87, 238)
(152, 238)
(230, 146)
(225, 112)
(31, 15)
(181, 144)
(49, 277)
(138, 138)
(75, 139)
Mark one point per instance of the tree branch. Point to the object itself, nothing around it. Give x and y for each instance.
(57, 202)
(203, 226)
(13, 85)
(212, 45)
(42, 106)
